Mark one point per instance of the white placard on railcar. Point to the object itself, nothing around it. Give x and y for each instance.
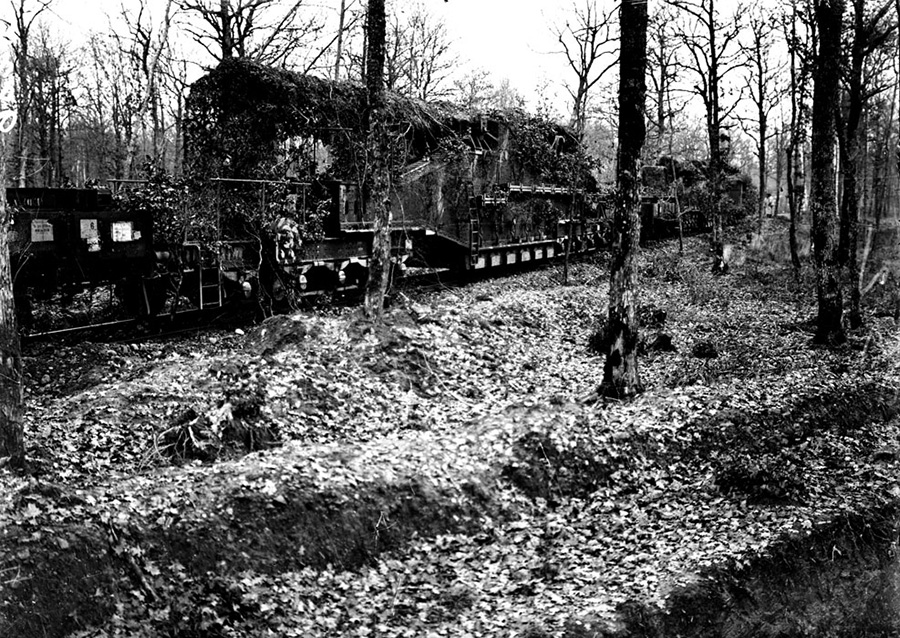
(41, 230)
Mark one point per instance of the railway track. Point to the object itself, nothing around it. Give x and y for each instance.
(144, 328)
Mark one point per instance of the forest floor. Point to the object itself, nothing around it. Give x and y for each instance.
(453, 473)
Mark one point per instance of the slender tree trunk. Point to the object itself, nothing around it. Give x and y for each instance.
(763, 170)
(569, 230)
(897, 151)
(883, 166)
(716, 161)
(53, 176)
(792, 210)
(579, 112)
(23, 99)
(849, 137)
(59, 174)
(378, 169)
(678, 211)
(761, 148)
(24, 151)
(849, 226)
(621, 378)
(827, 73)
(178, 160)
(12, 429)
(155, 118)
(340, 41)
(661, 104)
(43, 135)
(225, 21)
(779, 168)
(118, 124)
(793, 168)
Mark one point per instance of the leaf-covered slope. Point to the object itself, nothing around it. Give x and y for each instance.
(454, 474)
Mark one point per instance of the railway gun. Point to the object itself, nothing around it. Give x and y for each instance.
(272, 208)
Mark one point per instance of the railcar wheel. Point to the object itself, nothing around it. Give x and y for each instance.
(354, 275)
(317, 280)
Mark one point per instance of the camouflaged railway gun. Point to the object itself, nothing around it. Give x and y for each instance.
(470, 192)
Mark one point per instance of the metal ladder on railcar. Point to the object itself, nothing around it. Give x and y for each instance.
(474, 224)
(209, 276)
(209, 262)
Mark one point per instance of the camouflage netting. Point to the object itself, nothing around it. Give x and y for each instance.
(245, 112)
(248, 121)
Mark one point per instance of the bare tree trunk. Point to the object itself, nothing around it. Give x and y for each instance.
(849, 220)
(12, 428)
(53, 135)
(340, 41)
(762, 117)
(621, 378)
(23, 162)
(713, 129)
(118, 125)
(792, 210)
(795, 192)
(178, 160)
(225, 21)
(59, 178)
(763, 168)
(156, 119)
(881, 168)
(569, 230)
(779, 168)
(849, 138)
(23, 93)
(827, 74)
(897, 6)
(378, 170)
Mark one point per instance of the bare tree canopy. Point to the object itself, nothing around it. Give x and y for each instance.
(267, 31)
(25, 16)
(145, 47)
(587, 40)
(711, 43)
(764, 88)
(663, 74)
(419, 58)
